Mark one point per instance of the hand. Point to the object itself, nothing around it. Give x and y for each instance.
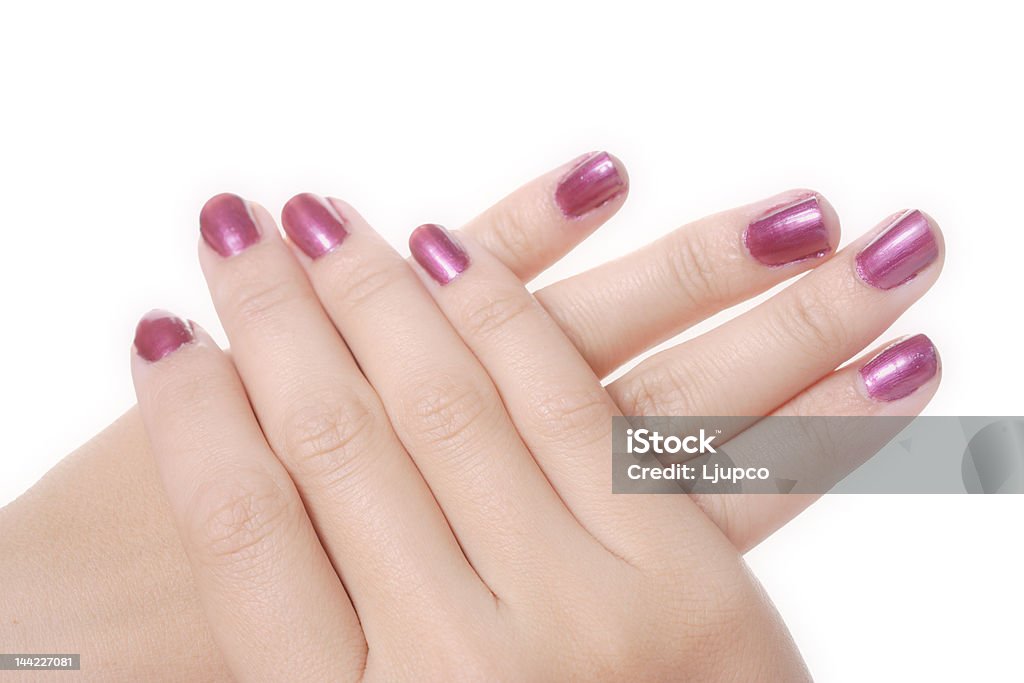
(245, 525)
(84, 508)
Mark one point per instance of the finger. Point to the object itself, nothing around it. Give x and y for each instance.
(757, 361)
(619, 309)
(556, 403)
(542, 221)
(374, 513)
(241, 521)
(440, 400)
(896, 380)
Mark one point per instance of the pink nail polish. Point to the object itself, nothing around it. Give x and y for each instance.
(901, 369)
(436, 250)
(899, 253)
(592, 182)
(160, 334)
(313, 224)
(788, 234)
(227, 225)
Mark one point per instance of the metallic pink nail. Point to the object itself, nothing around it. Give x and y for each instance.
(227, 226)
(901, 369)
(313, 224)
(899, 253)
(160, 334)
(788, 234)
(436, 250)
(592, 182)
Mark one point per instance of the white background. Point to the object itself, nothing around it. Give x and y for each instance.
(120, 119)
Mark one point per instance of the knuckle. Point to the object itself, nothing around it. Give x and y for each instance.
(488, 316)
(641, 396)
(448, 414)
(234, 522)
(690, 266)
(326, 434)
(812, 320)
(368, 284)
(666, 389)
(254, 302)
(574, 418)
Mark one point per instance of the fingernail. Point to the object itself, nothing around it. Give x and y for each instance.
(788, 234)
(438, 253)
(227, 226)
(592, 182)
(313, 224)
(160, 334)
(899, 253)
(901, 369)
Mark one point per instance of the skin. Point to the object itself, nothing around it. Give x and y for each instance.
(78, 512)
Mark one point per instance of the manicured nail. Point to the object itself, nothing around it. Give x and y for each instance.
(227, 226)
(899, 253)
(313, 224)
(592, 182)
(788, 234)
(160, 334)
(901, 369)
(438, 253)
